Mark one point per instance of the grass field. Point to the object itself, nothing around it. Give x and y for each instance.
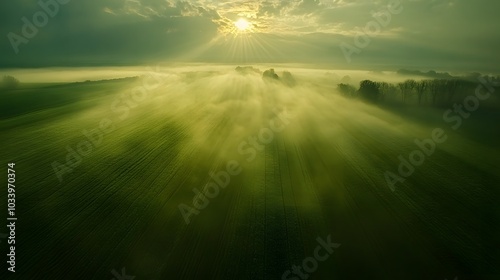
(323, 174)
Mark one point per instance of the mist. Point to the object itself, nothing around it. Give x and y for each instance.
(252, 154)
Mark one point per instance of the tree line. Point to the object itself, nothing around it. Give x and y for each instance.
(437, 92)
(9, 82)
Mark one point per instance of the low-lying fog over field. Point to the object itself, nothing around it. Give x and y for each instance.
(237, 172)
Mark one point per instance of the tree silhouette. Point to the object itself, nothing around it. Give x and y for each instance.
(288, 79)
(346, 79)
(347, 90)
(369, 90)
(247, 70)
(10, 82)
(406, 88)
(270, 74)
(436, 87)
(421, 87)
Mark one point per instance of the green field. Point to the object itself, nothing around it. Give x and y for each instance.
(323, 174)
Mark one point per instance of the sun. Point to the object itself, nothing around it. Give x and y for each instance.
(242, 24)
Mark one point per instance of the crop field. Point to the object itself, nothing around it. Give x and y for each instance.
(225, 175)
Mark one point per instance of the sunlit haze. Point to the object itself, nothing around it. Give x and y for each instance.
(250, 139)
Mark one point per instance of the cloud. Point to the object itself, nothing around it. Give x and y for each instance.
(448, 34)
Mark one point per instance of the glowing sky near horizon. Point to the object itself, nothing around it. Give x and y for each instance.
(426, 34)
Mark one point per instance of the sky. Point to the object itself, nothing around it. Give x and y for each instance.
(444, 35)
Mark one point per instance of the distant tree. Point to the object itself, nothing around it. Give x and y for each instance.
(347, 90)
(452, 87)
(392, 91)
(406, 88)
(436, 89)
(270, 74)
(421, 87)
(288, 79)
(346, 79)
(369, 90)
(247, 70)
(10, 82)
(384, 89)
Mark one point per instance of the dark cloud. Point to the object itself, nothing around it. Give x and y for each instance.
(83, 33)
